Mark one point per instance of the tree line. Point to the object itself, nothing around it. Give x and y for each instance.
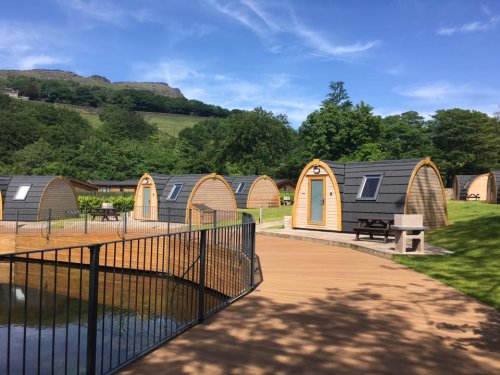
(43, 139)
(70, 92)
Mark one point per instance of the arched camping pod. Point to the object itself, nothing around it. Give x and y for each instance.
(460, 184)
(317, 203)
(478, 187)
(493, 193)
(29, 198)
(426, 196)
(254, 191)
(368, 189)
(4, 184)
(172, 198)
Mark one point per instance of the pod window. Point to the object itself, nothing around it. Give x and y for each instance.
(240, 188)
(22, 192)
(369, 187)
(174, 192)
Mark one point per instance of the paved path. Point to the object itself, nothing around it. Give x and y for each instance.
(375, 247)
(327, 310)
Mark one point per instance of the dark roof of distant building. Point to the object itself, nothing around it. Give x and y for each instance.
(102, 183)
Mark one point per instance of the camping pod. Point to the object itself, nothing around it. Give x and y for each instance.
(4, 184)
(470, 186)
(34, 198)
(179, 198)
(254, 191)
(460, 184)
(493, 193)
(334, 195)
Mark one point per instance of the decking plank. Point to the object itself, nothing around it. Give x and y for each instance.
(327, 310)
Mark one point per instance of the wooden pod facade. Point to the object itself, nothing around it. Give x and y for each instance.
(465, 185)
(333, 195)
(29, 198)
(4, 184)
(254, 191)
(493, 193)
(172, 197)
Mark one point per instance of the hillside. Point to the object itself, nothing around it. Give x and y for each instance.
(168, 124)
(158, 88)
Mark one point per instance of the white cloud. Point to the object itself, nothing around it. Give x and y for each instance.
(321, 44)
(173, 72)
(269, 27)
(107, 11)
(31, 62)
(470, 27)
(274, 92)
(24, 46)
(442, 94)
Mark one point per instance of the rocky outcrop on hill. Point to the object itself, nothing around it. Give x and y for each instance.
(159, 88)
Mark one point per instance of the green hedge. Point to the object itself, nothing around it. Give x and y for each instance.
(122, 203)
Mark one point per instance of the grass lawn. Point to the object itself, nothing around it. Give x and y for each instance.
(473, 234)
(171, 124)
(270, 214)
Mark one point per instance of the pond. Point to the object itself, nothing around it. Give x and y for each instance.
(44, 316)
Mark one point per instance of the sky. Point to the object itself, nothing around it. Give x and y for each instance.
(395, 55)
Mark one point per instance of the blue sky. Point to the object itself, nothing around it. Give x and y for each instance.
(396, 55)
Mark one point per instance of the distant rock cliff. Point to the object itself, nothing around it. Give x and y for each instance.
(159, 88)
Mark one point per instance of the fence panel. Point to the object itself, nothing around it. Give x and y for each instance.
(95, 309)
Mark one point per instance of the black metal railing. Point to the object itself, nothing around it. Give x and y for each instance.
(140, 221)
(94, 309)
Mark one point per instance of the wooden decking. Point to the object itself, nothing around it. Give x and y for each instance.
(327, 310)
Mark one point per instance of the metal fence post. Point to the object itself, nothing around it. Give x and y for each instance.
(50, 221)
(92, 309)
(190, 219)
(85, 230)
(17, 221)
(215, 218)
(252, 254)
(201, 280)
(124, 221)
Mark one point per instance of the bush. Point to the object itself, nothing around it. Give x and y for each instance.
(121, 203)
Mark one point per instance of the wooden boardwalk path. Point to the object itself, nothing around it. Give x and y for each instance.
(327, 310)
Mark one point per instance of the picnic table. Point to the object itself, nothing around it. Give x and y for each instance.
(472, 196)
(104, 213)
(374, 226)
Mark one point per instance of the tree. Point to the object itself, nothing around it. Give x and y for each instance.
(338, 129)
(465, 141)
(257, 142)
(405, 136)
(119, 123)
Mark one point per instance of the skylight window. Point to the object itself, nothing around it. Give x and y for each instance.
(22, 192)
(369, 187)
(174, 192)
(240, 188)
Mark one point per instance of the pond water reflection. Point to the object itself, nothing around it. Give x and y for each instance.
(44, 313)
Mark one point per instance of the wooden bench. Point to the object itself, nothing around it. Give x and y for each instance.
(374, 226)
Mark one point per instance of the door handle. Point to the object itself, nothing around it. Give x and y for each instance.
(323, 202)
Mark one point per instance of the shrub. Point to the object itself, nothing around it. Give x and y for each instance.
(120, 202)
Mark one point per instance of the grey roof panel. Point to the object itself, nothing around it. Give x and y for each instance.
(391, 195)
(28, 207)
(464, 181)
(234, 181)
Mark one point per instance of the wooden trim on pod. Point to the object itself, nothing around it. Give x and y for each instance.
(426, 162)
